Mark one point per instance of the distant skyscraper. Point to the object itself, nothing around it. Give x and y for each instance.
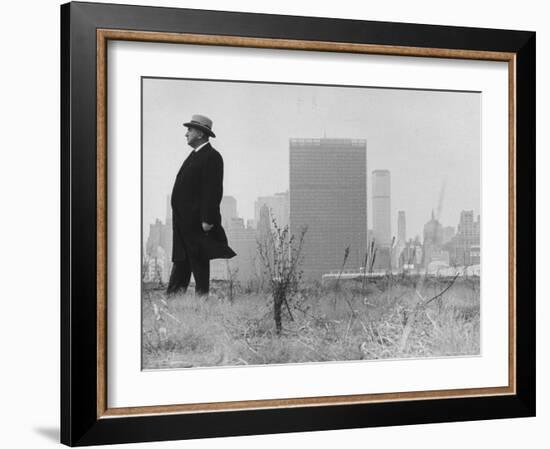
(401, 242)
(158, 247)
(228, 210)
(328, 189)
(448, 233)
(277, 205)
(370, 236)
(467, 236)
(243, 241)
(433, 241)
(433, 232)
(401, 227)
(381, 205)
(168, 210)
(264, 224)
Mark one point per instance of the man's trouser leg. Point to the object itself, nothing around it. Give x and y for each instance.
(179, 277)
(201, 272)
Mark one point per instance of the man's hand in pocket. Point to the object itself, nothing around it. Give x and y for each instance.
(206, 227)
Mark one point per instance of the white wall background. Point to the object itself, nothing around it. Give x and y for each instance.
(29, 225)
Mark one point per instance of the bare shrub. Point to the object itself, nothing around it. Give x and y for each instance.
(280, 254)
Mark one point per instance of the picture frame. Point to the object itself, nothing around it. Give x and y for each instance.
(86, 29)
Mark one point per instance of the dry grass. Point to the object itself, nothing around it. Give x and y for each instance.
(338, 323)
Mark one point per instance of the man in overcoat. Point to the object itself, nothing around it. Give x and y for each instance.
(198, 235)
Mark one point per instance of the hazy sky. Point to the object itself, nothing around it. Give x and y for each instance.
(429, 140)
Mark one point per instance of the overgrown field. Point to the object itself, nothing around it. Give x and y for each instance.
(393, 317)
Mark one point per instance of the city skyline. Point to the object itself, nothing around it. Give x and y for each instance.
(428, 140)
(394, 221)
(234, 208)
(438, 248)
(252, 210)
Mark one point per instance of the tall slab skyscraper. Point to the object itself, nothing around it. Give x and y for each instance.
(381, 207)
(328, 194)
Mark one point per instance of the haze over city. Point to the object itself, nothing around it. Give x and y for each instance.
(429, 140)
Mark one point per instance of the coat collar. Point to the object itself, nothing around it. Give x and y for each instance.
(204, 146)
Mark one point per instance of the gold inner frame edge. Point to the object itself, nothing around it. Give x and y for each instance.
(104, 35)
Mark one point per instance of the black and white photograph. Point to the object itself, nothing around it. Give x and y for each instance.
(306, 223)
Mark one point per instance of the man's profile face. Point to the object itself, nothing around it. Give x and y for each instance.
(193, 135)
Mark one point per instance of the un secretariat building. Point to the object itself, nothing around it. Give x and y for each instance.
(328, 194)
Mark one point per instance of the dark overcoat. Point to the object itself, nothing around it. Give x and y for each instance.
(196, 198)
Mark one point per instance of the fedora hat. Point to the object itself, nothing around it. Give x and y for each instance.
(201, 122)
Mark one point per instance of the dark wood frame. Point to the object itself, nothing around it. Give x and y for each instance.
(85, 30)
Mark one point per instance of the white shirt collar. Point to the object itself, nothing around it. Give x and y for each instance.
(200, 146)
